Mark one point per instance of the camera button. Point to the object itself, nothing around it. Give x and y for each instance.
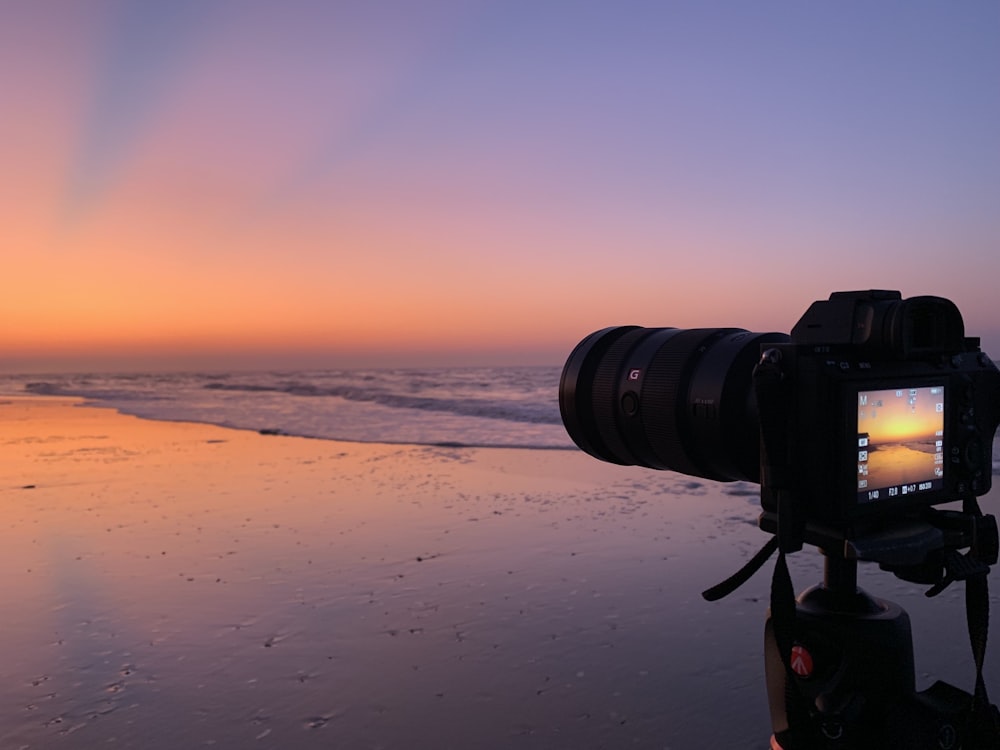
(973, 454)
(630, 403)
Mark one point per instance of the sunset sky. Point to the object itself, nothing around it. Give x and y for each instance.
(254, 183)
(895, 416)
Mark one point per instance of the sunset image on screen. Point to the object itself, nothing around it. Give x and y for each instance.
(900, 439)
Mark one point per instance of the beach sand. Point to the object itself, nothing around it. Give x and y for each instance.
(175, 585)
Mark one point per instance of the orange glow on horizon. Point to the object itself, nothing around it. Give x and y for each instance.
(249, 186)
(896, 416)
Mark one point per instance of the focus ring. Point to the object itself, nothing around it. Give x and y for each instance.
(605, 394)
(664, 398)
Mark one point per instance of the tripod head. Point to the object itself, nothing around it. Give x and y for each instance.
(922, 547)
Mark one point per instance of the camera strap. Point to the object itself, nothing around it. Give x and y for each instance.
(782, 607)
(973, 568)
(741, 576)
(797, 734)
(769, 384)
(782, 604)
(984, 719)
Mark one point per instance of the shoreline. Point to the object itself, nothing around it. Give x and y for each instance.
(91, 403)
(40, 405)
(490, 407)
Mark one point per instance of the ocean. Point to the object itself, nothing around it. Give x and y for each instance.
(471, 406)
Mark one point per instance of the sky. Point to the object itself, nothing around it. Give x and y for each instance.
(317, 183)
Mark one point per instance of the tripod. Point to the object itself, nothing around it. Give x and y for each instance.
(839, 662)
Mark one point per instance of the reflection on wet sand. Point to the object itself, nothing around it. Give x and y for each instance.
(174, 585)
(902, 463)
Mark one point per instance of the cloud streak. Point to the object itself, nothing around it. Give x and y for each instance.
(146, 49)
(405, 45)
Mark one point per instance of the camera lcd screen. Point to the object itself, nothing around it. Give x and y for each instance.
(900, 447)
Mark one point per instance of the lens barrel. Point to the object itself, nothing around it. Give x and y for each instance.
(667, 398)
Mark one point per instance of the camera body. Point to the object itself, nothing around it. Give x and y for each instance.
(879, 405)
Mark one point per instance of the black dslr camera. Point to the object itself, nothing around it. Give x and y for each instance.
(874, 405)
(873, 412)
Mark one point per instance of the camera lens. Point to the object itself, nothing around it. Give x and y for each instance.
(667, 398)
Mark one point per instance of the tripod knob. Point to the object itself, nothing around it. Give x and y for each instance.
(986, 544)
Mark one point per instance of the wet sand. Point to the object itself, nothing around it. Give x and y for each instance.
(173, 585)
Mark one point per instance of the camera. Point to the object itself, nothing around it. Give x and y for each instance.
(874, 405)
(873, 411)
